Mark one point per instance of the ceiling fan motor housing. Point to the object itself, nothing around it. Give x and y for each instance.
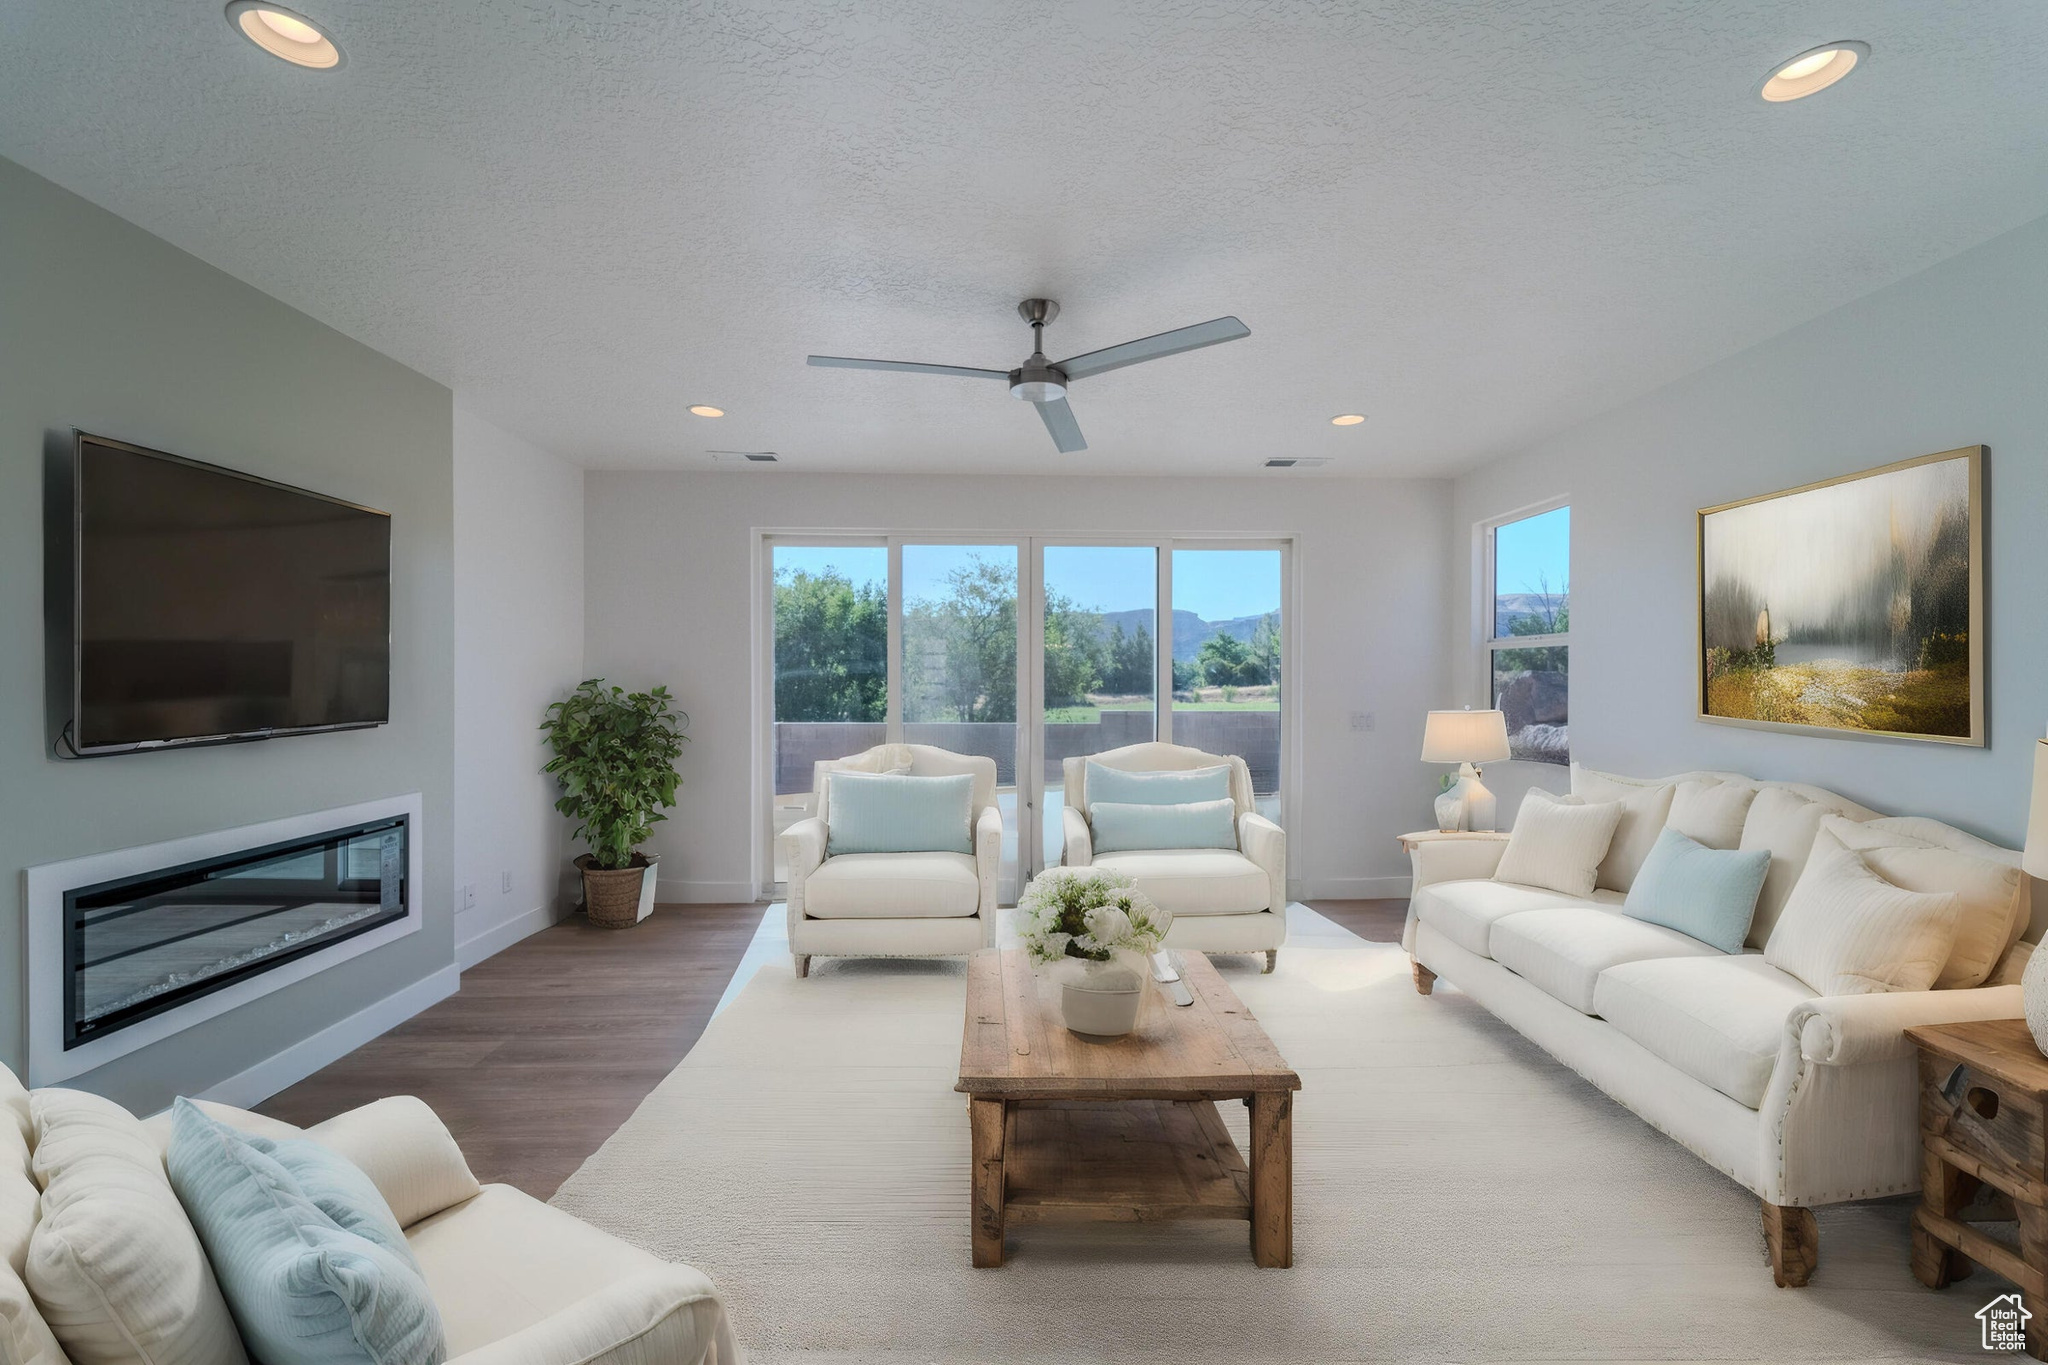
(1037, 382)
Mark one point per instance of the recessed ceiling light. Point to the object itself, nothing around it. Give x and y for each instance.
(285, 33)
(1812, 71)
(705, 410)
(1348, 419)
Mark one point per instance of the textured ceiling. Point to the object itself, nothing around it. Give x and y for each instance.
(1477, 223)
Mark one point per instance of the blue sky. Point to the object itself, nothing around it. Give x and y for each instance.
(1216, 585)
(1528, 552)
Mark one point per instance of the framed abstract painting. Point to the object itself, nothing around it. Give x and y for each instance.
(1850, 607)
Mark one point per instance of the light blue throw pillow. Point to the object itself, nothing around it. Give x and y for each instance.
(1707, 893)
(898, 813)
(304, 1289)
(1178, 788)
(1120, 827)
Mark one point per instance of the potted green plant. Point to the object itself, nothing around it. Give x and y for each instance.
(615, 757)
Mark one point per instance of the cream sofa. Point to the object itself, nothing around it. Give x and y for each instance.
(1222, 900)
(516, 1282)
(1803, 1099)
(893, 904)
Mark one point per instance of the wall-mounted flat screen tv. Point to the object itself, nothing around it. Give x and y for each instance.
(210, 606)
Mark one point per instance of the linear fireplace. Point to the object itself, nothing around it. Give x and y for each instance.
(127, 948)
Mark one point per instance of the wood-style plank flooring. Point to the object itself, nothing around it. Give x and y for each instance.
(550, 1045)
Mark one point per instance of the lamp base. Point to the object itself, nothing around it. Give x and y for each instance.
(1477, 802)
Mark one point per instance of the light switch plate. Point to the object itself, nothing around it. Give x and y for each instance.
(1361, 721)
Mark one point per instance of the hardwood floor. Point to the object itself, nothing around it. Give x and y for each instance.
(1376, 921)
(550, 1045)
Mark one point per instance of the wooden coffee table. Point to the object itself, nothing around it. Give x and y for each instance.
(1075, 1129)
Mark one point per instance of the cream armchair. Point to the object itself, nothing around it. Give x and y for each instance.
(894, 904)
(1222, 900)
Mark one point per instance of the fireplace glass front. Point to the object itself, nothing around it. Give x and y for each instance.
(136, 947)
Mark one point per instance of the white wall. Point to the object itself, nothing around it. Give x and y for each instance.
(518, 646)
(1950, 357)
(668, 579)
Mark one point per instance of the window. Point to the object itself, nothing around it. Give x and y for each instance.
(1528, 645)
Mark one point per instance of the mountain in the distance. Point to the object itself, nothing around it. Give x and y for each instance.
(1189, 630)
(1509, 607)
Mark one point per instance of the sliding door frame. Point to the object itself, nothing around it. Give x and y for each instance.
(1030, 662)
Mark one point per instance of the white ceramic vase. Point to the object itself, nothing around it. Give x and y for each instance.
(1103, 1000)
(2034, 991)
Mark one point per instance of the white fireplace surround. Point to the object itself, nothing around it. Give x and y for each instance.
(50, 1064)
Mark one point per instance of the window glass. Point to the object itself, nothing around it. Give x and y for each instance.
(1531, 561)
(1226, 660)
(831, 664)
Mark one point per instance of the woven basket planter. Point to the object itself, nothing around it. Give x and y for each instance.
(611, 896)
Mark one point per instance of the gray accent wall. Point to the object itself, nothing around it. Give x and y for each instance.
(109, 329)
(1953, 356)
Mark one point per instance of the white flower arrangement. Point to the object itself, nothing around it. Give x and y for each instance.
(1092, 914)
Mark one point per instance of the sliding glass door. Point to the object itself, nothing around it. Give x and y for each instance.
(1228, 626)
(829, 670)
(1029, 651)
(958, 667)
(1099, 663)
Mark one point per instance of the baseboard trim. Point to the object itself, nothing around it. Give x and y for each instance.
(676, 891)
(490, 942)
(248, 1088)
(1354, 889)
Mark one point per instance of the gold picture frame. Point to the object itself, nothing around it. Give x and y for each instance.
(1866, 578)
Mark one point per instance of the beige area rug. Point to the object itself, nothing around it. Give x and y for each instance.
(1458, 1196)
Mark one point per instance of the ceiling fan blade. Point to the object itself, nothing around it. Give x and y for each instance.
(1059, 420)
(1152, 348)
(842, 362)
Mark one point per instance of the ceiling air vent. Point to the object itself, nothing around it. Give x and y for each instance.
(741, 456)
(1298, 462)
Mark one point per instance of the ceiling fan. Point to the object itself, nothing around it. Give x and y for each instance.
(1044, 383)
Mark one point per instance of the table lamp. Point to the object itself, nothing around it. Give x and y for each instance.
(1466, 738)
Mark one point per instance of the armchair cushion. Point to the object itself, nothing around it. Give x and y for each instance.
(894, 886)
(1122, 786)
(900, 813)
(1196, 881)
(1120, 827)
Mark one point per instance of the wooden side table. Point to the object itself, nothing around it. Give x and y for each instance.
(1425, 979)
(1984, 1121)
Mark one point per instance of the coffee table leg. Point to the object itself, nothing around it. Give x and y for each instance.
(1273, 1178)
(987, 1120)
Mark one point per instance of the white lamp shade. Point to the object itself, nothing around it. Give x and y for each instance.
(1472, 737)
(2035, 859)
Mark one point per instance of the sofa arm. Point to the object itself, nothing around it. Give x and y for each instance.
(407, 1152)
(1454, 860)
(1265, 843)
(1079, 848)
(803, 852)
(669, 1316)
(1846, 1030)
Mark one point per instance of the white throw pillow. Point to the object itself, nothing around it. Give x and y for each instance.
(1644, 806)
(1847, 931)
(1711, 812)
(24, 1337)
(1558, 842)
(1783, 822)
(1992, 894)
(114, 1263)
